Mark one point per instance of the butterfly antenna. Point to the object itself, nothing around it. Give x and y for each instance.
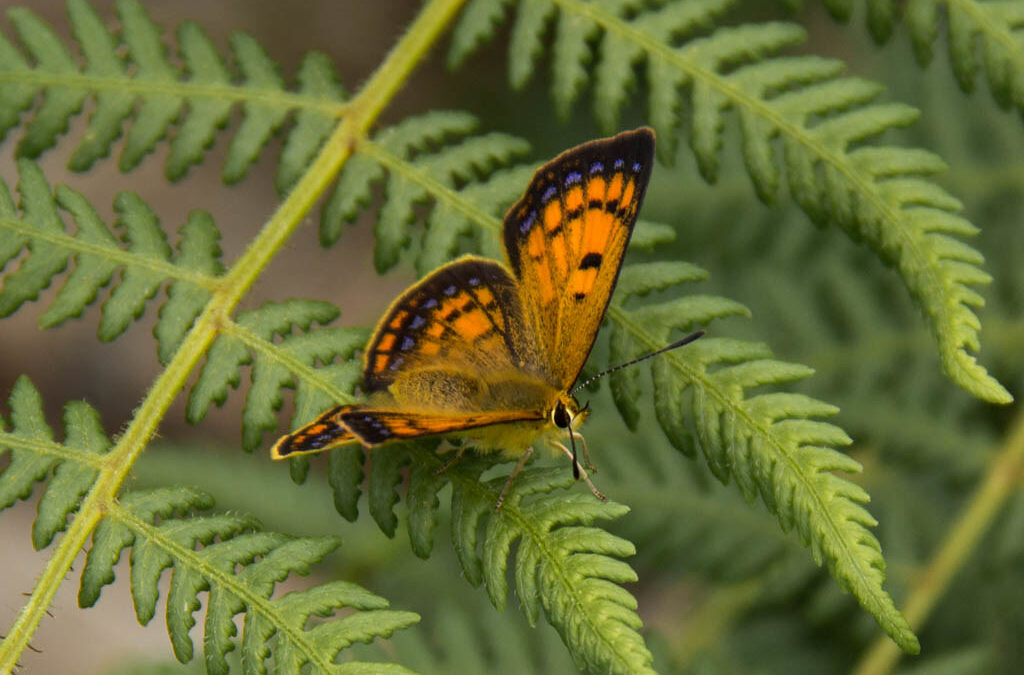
(675, 345)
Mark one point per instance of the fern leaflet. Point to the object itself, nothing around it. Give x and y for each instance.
(146, 263)
(991, 28)
(239, 569)
(131, 76)
(876, 193)
(34, 454)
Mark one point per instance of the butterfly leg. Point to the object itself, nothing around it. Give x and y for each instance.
(451, 462)
(586, 452)
(512, 476)
(583, 473)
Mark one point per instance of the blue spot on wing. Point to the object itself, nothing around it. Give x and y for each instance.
(549, 193)
(573, 177)
(528, 223)
(407, 343)
(417, 321)
(596, 167)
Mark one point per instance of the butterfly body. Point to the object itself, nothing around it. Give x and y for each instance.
(487, 352)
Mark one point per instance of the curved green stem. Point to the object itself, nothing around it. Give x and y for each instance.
(362, 111)
(1000, 483)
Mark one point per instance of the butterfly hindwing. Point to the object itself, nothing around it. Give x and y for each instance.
(566, 238)
(466, 315)
(374, 427)
(325, 432)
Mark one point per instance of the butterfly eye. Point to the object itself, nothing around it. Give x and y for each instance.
(560, 416)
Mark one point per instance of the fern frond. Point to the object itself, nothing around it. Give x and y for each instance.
(35, 456)
(773, 445)
(130, 75)
(981, 36)
(276, 340)
(239, 569)
(879, 194)
(562, 563)
(146, 262)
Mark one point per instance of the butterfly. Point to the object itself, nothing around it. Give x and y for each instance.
(489, 352)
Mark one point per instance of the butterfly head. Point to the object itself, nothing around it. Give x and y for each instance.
(567, 413)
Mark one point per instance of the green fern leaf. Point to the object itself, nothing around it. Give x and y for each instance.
(34, 454)
(239, 569)
(991, 28)
(288, 362)
(772, 444)
(187, 95)
(146, 260)
(562, 565)
(876, 194)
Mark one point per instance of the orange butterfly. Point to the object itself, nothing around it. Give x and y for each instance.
(489, 352)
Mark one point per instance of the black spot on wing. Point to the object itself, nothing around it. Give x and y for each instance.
(591, 261)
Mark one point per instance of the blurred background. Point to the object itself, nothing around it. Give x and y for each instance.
(888, 408)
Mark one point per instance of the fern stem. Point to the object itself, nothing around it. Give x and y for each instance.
(123, 258)
(363, 112)
(1003, 479)
(190, 91)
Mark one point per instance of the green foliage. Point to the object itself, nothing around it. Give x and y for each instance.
(772, 444)
(143, 84)
(235, 563)
(145, 263)
(562, 565)
(721, 579)
(239, 569)
(877, 193)
(981, 36)
(34, 455)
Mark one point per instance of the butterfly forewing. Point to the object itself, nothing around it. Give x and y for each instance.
(566, 238)
(465, 316)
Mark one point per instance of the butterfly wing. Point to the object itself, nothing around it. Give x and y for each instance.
(372, 426)
(325, 432)
(464, 317)
(566, 238)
